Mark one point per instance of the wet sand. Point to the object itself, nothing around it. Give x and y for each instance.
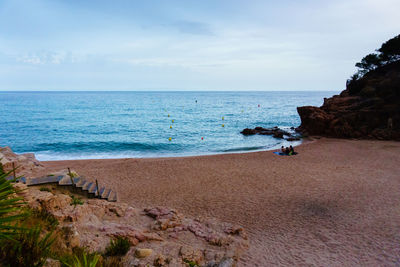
(337, 203)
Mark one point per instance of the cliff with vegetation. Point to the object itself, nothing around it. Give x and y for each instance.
(369, 107)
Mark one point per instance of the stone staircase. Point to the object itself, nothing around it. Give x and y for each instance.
(76, 185)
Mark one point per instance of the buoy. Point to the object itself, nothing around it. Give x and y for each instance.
(223, 118)
(202, 138)
(223, 125)
(168, 115)
(170, 139)
(170, 126)
(173, 121)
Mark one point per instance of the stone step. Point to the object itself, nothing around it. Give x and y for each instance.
(21, 179)
(87, 186)
(76, 180)
(44, 180)
(106, 193)
(66, 180)
(112, 197)
(93, 189)
(101, 191)
(81, 183)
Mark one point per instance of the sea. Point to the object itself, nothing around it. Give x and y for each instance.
(94, 125)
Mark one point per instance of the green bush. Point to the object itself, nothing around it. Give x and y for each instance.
(118, 247)
(81, 258)
(50, 221)
(76, 201)
(190, 263)
(27, 248)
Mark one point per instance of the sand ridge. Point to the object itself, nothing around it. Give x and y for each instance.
(337, 203)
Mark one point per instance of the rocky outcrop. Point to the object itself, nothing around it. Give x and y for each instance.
(275, 132)
(368, 108)
(159, 236)
(26, 163)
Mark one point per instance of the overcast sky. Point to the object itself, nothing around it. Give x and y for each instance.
(188, 44)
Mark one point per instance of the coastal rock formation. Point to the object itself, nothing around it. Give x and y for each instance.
(159, 236)
(368, 108)
(275, 132)
(26, 163)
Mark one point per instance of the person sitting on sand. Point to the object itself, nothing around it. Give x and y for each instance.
(291, 152)
(282, 150)
(287, 151)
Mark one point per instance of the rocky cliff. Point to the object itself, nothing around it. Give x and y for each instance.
(367, 108)
(158, 236)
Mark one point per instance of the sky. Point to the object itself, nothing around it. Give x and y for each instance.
(206, 45)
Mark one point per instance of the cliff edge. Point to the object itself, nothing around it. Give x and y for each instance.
(368, 108)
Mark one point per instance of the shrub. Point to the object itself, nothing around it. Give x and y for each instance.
(81, 258)
(118, 247)
(76, 201)
(190, 263)
(27, 248)
(50, 221)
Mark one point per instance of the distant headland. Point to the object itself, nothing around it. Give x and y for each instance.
(369, 107)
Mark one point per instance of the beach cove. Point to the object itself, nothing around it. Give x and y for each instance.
(336, 203)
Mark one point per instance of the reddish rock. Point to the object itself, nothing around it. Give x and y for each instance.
(26, 163)
(368, 108)
(93, 224)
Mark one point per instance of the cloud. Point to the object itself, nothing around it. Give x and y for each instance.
(50, 57)
(192, 27)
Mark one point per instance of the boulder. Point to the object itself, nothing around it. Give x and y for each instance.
(143, 252)
(26, 163)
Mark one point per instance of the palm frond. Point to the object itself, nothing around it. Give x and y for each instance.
(10, 208)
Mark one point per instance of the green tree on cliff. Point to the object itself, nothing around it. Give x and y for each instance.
(390, 50)
(388, 53)
(369, 62)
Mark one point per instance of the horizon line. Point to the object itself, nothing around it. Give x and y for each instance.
(175, 90)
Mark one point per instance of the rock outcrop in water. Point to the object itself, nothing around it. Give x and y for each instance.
(275, 132)
(368, 108)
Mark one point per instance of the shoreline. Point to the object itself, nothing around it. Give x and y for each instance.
(277, 147)
(334, 203)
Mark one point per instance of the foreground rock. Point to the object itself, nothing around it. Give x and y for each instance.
(159, 236)
(26, 163)
(275, 132)
(368, 108)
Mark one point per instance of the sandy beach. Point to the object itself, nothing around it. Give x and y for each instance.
(337, 203)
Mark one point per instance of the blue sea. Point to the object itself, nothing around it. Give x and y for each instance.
(87, 125)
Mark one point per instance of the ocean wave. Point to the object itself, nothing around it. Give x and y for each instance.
(238, 149)
(103, 147)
